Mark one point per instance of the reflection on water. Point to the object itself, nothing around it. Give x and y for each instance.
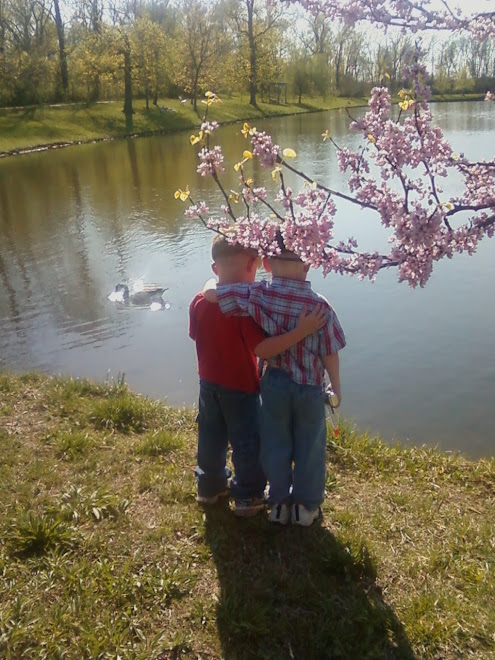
(75, 222)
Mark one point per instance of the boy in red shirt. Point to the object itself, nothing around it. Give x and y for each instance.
(227, 349)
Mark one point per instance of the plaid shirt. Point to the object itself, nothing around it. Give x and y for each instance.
(276, 307)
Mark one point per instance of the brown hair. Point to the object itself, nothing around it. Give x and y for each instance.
(222, 248)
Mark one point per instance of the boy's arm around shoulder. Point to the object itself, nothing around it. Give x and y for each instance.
(306, 325)
(232, 298)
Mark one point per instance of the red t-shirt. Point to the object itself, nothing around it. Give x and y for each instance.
(225, 346)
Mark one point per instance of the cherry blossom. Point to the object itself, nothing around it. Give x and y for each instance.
(397, 172)
(410, 14)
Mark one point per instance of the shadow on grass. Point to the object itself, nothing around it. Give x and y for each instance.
(290, 592)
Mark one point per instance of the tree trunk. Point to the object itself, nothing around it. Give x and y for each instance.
(64, 73)
(253, 74)
(128, 110)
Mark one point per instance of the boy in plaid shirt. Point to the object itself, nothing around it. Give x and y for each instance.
(293, 425)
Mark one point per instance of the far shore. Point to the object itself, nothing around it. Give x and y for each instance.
(27, 130)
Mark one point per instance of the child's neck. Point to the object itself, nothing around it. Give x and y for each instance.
(300, 277)
(234, 278)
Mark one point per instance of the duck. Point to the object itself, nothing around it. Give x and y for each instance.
(147, 296)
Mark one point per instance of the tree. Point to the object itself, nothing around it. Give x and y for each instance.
(28, 57)
(64, 73)
(407, 150)
(299, 71)
(123, 16)
(199, 44)
(320, 34)
(253, 24)
(149, 45)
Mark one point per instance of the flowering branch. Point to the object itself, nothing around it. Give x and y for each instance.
(409, 154)
(415, 16)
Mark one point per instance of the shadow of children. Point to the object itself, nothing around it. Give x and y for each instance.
(296, 593)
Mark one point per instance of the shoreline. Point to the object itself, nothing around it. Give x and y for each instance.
(346, 102)
(60, 144)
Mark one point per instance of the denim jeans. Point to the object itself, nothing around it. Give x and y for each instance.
(228, 416)
(293, 431)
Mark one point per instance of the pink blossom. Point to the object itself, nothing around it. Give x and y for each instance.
(211, 161)
(398, 172)
(264, 148)
(209, 126)
(195, 210)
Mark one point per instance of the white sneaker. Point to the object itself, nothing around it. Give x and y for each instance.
(303, 516)
(203, 499)
(249, 507)
(280, 513)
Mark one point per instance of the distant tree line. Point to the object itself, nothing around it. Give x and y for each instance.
(89, 50)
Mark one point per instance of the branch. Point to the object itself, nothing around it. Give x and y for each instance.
(328, 190)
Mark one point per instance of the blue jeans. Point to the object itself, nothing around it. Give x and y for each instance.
(293, 431)
(228, 416)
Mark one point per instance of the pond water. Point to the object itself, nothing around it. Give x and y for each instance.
(419, 365)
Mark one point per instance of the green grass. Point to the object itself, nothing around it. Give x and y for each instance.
(27, 128)
(104, 552)
(33, 127)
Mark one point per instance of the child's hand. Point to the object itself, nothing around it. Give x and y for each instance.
(316, 319)
(210, 290)
(334, 397)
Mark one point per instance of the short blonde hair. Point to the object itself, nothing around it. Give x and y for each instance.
(221, 248)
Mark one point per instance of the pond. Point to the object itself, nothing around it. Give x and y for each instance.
(419, 365)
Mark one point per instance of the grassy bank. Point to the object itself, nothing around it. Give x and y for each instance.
(28, 128)
(35, 127)
(104, 552)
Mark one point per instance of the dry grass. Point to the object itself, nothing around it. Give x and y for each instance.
(104, 552)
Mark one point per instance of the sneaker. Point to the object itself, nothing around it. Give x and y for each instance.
(303, 516)
(280, 513)
(203, 499)
(249, 507)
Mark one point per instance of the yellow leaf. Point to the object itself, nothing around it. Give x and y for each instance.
(182, 194)
(245, 129)
(194, 139)
(289, 153)
(237, 166)
(404, 105)
(448, 206)
(275, 173)
(325, 135)
(249, 182)
(247, 155)
(371, 138)
(455, 157)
